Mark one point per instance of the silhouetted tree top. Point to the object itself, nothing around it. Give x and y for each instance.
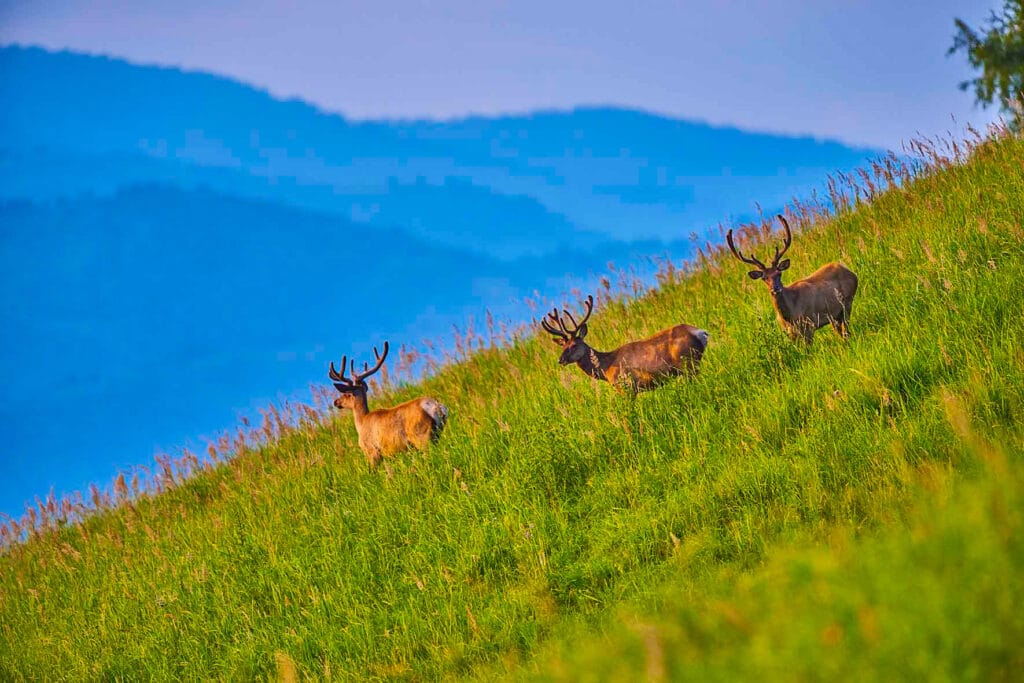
(997, 48)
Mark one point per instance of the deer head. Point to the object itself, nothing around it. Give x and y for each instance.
(353, 389)
(771, 275)
(570, 339)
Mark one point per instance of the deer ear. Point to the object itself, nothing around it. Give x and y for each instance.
(582, 332)
(755, 274)
(342, 387)
(784, 265)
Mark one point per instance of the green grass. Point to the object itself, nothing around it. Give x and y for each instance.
(845, 510)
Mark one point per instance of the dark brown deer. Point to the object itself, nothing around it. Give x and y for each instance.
(825, 296)
(638, 365)
(386, 431)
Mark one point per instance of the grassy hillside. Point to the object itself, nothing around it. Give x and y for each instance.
(852, 509)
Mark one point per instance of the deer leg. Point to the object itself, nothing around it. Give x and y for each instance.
(374, 458)
(841, 325)
(800, 332)
(426, 436)
(842, 328)
(625, 388)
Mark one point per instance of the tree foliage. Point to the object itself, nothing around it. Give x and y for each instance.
(998, 50)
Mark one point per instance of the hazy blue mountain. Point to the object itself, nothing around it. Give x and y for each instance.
(625, 174)
(453, 211)
(176, 246)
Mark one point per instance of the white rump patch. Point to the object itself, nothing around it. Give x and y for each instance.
(437, 411)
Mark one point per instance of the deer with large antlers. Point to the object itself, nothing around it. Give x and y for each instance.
(638, 365)
(823, 297)
(386, 431)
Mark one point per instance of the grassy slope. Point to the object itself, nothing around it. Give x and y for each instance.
(837, 509)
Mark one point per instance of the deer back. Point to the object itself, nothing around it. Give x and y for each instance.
(826, 294)
(414, 423)
(666, 354)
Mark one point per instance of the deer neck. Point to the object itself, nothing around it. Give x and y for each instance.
(595, 362)
(782, 297)
(360, 410)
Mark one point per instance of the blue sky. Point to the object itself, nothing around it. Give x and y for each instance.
(868, 72)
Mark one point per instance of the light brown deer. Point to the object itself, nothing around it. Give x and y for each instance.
(638, 365)
(386, 431)
(825, 296)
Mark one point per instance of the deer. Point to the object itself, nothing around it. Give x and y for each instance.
(386, 431)
(823, 297)
(636, 366)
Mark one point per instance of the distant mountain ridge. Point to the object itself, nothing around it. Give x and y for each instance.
(177, 246)
(590, 170)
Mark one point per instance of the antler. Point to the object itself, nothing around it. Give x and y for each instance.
(563, 332)
(788, 241)
(589, 305)
(367, 372)
(343, 383)
(339, 378)
(736, 252)
(550, 329)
